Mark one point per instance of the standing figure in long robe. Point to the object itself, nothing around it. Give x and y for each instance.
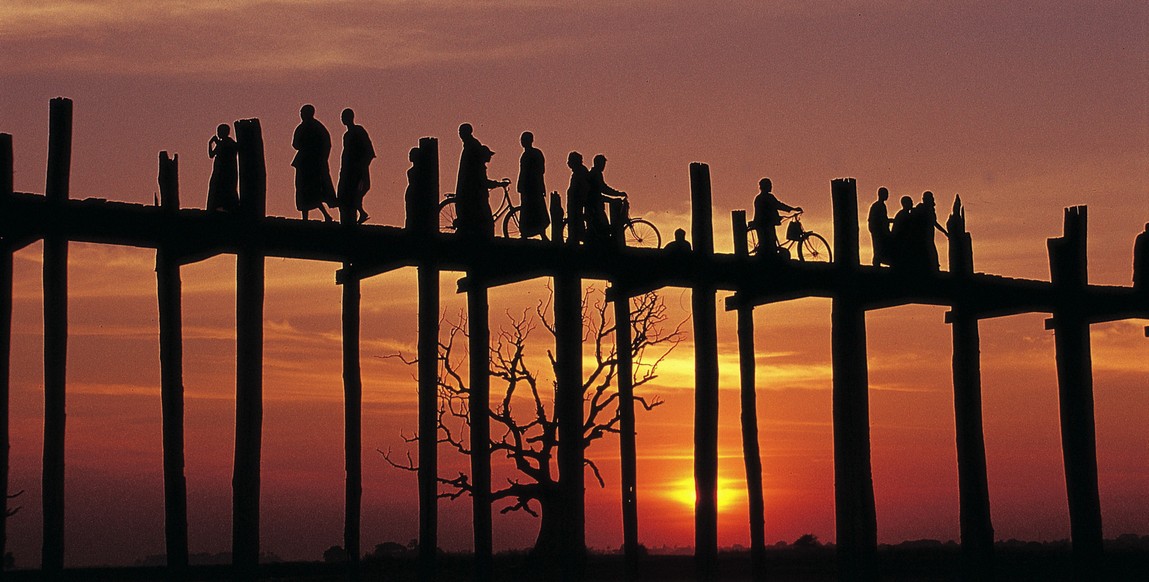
(223, 188)
(472, 189)
(878, 223)
(312, 143)
(926, 220)
(354, 168)
(533, 215)
(576, 198)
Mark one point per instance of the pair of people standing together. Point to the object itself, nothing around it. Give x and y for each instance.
(313, 186)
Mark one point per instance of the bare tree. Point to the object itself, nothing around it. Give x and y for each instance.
(525, 414)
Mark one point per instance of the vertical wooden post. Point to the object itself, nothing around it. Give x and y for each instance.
(352, 412)
(569, 410)
(428, 370)
(857, 529)
(55, 336)
(169, 290)
(626, 437)
(6, 190)
(751, 455)
(556, 209)
(249, 354)
(703, 299)
(1068, 270)
(973, 483)
(479, 404)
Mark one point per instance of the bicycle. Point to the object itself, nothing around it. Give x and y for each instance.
(449, 214)
(639, 232)
(636, 232)
(812, 246)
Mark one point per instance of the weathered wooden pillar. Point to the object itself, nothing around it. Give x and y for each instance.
(857, 529)
(751, 455)
(169, 295)
(479, 404)
(627, 448)
(973, 483)
(352, 411)
(569, 410)
(6, 249)
(703, 299)
(1069, 273)
(556, 209)
(249, 353)
(55, 334)
(428, 367)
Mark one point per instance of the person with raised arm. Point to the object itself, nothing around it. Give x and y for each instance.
(223, 188)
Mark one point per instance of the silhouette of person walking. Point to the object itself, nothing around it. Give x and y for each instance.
(1141, 261)
(767, 209)
(533, 216)
(223, 188)
(354, 168)
(577, 198)
(472, 190)
(312, 143)
(599, 195)
(878, 223)
(925, 217)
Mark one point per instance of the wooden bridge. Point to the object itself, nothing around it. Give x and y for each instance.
(182, 236)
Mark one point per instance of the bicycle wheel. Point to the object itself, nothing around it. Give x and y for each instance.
(643, 234)
(814, 248)
(448, 213)
(752, 241)
(511, 224)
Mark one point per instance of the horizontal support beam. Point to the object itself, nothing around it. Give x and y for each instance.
(500, 261)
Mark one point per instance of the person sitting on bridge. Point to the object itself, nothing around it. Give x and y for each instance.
(767, 209)
(312, 143)
(576, 198)
(878, 223)
(679, 245)
(1141, 261)
(599, 196)
(354, 169)
(223, 188)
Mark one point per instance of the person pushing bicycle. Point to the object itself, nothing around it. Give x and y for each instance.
(599, 196)
(767, 215)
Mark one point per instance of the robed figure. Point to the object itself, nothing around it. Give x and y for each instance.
(354, 168)
(223, 188)
(472, 189)
(313, 186)
(533, 215)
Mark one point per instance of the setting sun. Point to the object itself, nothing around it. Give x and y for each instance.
(730, 492)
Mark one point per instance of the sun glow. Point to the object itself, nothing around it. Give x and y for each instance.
(730, 492)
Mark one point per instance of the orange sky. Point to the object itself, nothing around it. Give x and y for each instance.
(1022, 110)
